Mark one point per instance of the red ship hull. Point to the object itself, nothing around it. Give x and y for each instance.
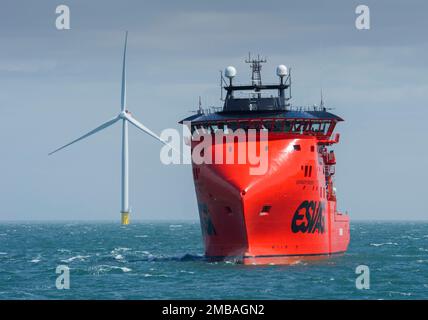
(278, 217)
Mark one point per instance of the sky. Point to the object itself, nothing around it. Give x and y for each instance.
(58, 84)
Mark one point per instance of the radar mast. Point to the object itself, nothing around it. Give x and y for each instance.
(256, 68)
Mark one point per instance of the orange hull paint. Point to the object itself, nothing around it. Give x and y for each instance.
(279, 217)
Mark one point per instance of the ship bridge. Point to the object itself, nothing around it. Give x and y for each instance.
(263, 107)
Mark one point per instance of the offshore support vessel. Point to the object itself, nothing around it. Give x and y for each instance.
(289, 212)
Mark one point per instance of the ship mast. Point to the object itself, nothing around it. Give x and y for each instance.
(256, 68)
(322, 101)
(254, 101)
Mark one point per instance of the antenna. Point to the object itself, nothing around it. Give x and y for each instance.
(200, 106)
(221, 84)
(256, 67)
(322, 101)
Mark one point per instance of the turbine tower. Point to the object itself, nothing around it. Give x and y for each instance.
(125, 116)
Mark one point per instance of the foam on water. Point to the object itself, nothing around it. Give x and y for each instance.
(384, 244)
(78, 257)
(101, 269)
(37, 259)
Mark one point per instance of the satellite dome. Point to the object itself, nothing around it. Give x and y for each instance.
(281, 71)
(230, 72)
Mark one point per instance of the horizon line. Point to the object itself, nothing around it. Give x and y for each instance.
(189, 220)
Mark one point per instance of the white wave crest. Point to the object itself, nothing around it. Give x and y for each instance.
(384, 244)
(78, 257)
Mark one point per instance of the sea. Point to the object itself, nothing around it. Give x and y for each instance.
(164, 260)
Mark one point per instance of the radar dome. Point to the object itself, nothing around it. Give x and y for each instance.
(281, 71)
(230, 72)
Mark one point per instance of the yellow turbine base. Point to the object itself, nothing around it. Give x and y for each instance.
(125, 218)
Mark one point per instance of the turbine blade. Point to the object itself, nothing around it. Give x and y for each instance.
(143, 128)
(99, 128)
(123, 92)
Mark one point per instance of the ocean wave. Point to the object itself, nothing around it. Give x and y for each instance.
(37, 259)
(63, 250)
(78, 257)
(118, 253)
(185, 271)
(410, 237)
(155, 275)
(384, 244)
(104, 268)
(3, 253)
(399, 293)
(141, 236)
(120, 249)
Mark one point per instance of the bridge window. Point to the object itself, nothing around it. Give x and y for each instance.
(320, 127)
(324, 127)
(243, 125)
(200, 129)
(220, 126)
(215, 128)
(254, 125)
(267, 125)
(232, 125)
(278, 126)
(315, 127)
(206, 129)
(299, 126)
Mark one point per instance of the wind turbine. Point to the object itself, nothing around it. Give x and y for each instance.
(125, 116)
